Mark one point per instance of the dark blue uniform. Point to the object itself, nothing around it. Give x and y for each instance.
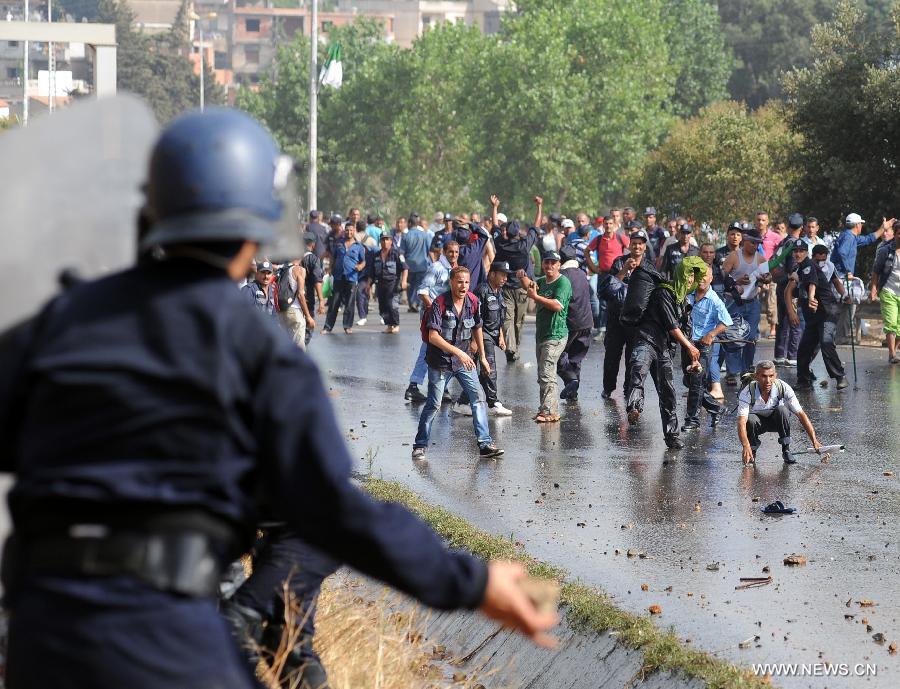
(160, 391)
(493, 311)
(387, 273)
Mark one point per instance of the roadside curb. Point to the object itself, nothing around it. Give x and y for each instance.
(610, 638)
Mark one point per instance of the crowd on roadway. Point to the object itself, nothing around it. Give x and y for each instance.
(643, 287)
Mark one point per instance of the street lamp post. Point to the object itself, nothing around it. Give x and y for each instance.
(196, 17)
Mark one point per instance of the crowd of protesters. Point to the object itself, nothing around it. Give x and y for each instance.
(645, 288)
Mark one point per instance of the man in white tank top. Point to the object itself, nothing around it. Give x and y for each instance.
(739, 265)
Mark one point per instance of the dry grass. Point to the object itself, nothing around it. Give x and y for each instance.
(367, 643)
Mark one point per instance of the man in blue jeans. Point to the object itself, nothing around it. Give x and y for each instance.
(451, 325)
(415, 248)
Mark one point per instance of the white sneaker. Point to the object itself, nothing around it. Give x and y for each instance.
(499, 410)
(723, 368)
(780, 362)
(382, 321)
(461, 409)
(790, 362)
(361, 321)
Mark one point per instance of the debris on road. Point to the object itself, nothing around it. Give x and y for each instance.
(750, 582)
(795, 560)
(655, 610)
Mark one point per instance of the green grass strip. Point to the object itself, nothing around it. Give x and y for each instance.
(587, 608)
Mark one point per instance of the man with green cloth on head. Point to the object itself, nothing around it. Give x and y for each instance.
(657, 327)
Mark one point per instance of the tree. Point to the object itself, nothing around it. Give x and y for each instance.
(157, 67)
(722, 165)
(697, 46)
(772, 37)
(845, 105)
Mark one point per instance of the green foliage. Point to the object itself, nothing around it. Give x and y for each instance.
(846, 106)
(563, 102)
(723, 164)
(697, 45)
(772, 37)
(156, 67)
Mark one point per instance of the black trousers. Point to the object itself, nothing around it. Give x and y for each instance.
(820, 331)
(696, 385)
(311, 305)
(283, 559)
(617, 340)
(645, 359)
(777, 420)
(388, 302)
(344, 295)
(568, 367)
(488, 380)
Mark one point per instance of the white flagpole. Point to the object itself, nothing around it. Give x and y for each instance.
(313, 104)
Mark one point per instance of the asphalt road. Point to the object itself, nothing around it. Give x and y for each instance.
(583, 492)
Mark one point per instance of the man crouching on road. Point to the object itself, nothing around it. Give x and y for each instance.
(452, 322)
(763, 407)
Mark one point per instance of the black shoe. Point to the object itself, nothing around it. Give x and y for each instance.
(573, 397)
(490, 451)
(673, 442)
(690, 426)
(512, 357)
(786, 455)
(569, 391)
(804, 384)
(842, 383)
(446, 399)
(713, 420)
(413, 394)
(606, 394)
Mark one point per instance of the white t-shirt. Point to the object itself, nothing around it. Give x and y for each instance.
(775, 399)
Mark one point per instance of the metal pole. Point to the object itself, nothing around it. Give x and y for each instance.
(313, 103)
(51, 63)
(202, 89)
(25, 80)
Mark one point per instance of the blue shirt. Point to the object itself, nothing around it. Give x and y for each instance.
(708, 313)
(456, 328)
(374, 232)
(346, 260)
(843, 255)
(415, 249)
(436, 279)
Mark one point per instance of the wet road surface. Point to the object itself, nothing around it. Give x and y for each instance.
(583, 492)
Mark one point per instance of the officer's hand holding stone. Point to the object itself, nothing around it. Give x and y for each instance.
(506, 601)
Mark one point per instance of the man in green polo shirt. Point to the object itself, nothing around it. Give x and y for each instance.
(551, 293)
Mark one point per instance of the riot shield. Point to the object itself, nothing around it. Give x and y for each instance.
(70, 196)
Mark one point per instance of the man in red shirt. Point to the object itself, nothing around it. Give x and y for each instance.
(609, 246)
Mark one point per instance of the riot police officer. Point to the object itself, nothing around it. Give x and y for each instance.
(146, 413)
(813, 280)
(389, 272)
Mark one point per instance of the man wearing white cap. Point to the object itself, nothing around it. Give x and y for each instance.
(843, 256)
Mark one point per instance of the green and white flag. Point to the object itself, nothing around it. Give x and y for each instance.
(332, 73)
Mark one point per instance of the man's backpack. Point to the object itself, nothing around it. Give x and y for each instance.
(754, 388)
(640, 286)
(443, 303)
(286, 295)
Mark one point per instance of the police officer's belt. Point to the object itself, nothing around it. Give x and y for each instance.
(186, 561)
